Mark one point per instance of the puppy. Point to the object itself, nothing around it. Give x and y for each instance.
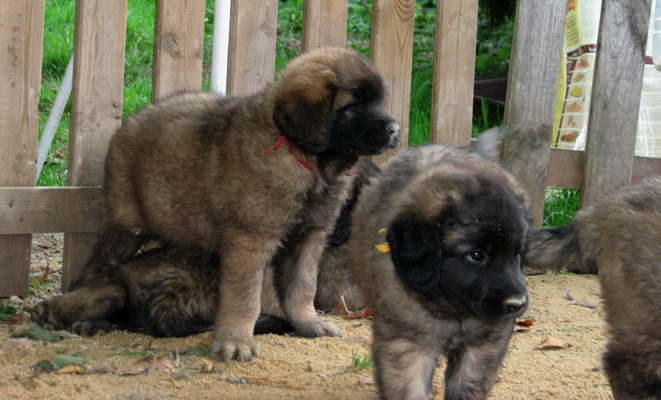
(436, 247)
(257, 179)
(619, 238)
(173, 291)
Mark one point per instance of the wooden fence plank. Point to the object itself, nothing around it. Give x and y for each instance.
(21, 36)
(324, 24)
(391, 50)
(178, 46)
(49, 209)
(566, 167)
(253, 34)
(615, 97)
(454, 72)
(531, 95)
(96, 107)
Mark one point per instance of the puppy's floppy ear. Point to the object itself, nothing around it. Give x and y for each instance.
(306, 123)
(415, 249)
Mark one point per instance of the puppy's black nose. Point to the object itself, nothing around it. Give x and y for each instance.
(393, 131)
(516, 305)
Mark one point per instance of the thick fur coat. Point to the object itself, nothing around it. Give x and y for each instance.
(437, 251)
(257, 179)
(619, 239)
(171, 291)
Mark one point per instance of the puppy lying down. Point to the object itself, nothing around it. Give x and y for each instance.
(173, 291)
(436, 248)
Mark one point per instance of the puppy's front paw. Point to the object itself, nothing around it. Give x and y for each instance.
(317, 327)
(43, 314)
(229, 346)
(91, 328)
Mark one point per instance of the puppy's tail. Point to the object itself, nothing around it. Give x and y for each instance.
(487, 144)
(555, 248)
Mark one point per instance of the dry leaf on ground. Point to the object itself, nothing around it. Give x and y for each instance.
(359, 339)
(552, 343)
(164, 365)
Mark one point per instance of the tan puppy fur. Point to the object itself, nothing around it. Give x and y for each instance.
(204, 172)
(618, 237)
(450, 282)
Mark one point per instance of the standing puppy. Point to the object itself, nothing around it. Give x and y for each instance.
(619, 238)
(437, 244)
(254, 179)
(173, 291)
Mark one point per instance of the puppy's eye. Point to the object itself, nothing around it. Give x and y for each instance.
(354, 106)
(476, 256)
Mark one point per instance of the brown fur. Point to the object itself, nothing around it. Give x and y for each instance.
(619, 238)
(194, 171)
(169, 291)
(451, 282)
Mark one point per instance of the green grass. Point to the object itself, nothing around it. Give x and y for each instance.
(560, 206)
(361, 362)
(58, 47)
(494, 45)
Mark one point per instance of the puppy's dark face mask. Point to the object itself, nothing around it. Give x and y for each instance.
(363, 126)
(468, 257)
(338, 110)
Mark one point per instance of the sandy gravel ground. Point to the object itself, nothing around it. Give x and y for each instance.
(124, 365)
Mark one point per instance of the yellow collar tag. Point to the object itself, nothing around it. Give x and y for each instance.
(383, 247)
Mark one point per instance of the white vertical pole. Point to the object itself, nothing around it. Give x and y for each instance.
(54, 117)
(220, 48)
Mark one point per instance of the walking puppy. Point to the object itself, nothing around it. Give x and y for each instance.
(257, 179)
(619, 238)
(437, 251)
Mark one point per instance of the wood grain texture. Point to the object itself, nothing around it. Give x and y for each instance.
(531, 95)
(454, 72)
(251, 63)
(96, 106)
(68, 209)
(566, 167)
(21, 35)
(392, 53)
(324, 24)
(615, 100)
(178, 46)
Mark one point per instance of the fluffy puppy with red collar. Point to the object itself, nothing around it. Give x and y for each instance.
(255, 179)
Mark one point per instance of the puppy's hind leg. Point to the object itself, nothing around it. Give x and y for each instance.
(85, 310)
(115, 245)
(297, 266)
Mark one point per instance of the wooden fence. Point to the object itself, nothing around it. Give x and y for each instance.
(98, 77)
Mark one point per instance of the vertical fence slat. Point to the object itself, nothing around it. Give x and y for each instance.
(178, 46)
(324, 24)
(531, 95)
(96, 107)
(253, 35)
(615, 96)
(454, 72)
(21, 35)
(392, 53)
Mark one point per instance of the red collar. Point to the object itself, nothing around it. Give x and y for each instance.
(282, 139)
